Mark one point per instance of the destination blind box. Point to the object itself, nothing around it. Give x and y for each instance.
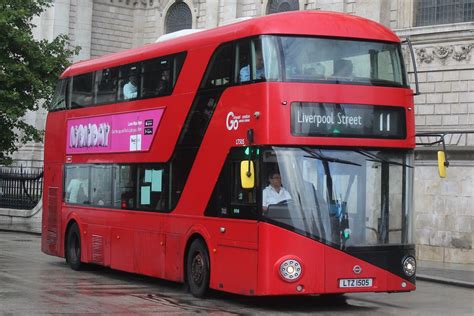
(347, 120)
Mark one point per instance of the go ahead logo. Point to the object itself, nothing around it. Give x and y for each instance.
(232, 122)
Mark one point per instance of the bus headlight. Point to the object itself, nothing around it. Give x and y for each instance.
(291, 270)
(409, 266)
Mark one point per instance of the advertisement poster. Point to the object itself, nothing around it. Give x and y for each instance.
(114, 133)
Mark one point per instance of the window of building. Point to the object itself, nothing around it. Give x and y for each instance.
(277, 6)
(178, 17)
(432, 12)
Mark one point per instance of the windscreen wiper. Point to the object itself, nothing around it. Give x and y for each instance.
(374, 157)
(325, 158)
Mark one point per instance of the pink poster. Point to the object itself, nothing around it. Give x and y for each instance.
(114, 133)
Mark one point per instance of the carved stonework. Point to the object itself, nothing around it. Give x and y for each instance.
(133, 3)
(443, 53)
(463, 53)
(423, 56)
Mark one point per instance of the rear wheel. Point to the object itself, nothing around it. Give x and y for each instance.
(73, 248)
(198, 268)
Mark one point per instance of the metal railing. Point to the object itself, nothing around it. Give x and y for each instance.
(21, 186)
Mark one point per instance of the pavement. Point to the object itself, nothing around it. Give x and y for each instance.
(446, 273)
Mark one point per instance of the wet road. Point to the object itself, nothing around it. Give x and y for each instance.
(34, 283)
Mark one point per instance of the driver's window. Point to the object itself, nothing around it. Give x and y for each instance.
(240, 195)
(229, 199)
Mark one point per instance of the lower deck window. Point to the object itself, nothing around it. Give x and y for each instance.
(131, 186)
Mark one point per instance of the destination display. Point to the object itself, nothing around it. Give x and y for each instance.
(347, 120)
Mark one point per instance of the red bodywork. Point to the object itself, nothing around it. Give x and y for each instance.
(243, 259)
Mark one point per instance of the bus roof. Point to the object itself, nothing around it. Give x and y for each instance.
(307, 23)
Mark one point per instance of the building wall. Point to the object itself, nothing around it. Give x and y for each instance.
(444, 211)
(444, 217)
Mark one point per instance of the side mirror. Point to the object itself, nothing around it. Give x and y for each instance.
(442, 164)
(247, 174)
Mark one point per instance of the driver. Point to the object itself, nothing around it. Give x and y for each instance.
(274, 193)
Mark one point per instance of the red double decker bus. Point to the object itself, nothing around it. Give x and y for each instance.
(267, 157)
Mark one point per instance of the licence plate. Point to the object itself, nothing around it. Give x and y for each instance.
(355, 282)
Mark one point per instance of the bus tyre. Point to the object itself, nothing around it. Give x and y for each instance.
(73, 248)
(197, 268)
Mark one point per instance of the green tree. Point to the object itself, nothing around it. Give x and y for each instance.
(29, 70)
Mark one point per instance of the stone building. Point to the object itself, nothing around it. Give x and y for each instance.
(441, 31)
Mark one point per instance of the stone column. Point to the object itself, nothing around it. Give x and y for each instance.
(229, 11)
(83, 28)
(406, 14)
(61, 17)
(139, 24)
(212, 18)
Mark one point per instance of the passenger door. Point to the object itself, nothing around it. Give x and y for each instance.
(236, 230)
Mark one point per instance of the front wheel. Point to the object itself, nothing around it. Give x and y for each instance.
(198, 268)
(73, 248)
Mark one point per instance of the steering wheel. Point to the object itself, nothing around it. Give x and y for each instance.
(284, 202)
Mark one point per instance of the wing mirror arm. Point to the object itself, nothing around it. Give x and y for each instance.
(415, 71)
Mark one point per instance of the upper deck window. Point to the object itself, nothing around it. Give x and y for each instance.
(219, 71)
(106, 81)
(342, 61)
(130, 81)
(82, 90)
(249, 61)
(60, 94)
(149, 78)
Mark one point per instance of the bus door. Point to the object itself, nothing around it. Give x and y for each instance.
(235, 209)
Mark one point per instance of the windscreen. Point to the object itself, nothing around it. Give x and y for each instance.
(341, 197)
(340, 61)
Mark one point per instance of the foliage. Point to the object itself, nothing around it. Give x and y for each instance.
(29, 70)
